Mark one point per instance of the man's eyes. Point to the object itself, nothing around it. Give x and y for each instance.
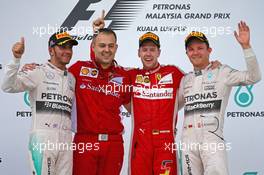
(145, 50)
(104, 45)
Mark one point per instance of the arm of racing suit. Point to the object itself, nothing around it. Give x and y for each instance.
(15, 81)
(180, 95)
(251, 76)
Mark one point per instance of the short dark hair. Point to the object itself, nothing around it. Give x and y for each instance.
(105, 31)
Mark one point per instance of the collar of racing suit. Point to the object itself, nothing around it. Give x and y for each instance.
(62, 72)
(198, 72)
(105, 73)
(153, 70)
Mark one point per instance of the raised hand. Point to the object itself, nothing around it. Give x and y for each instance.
(215, 64)
(243, 35)
(99, 22)
(18, 48)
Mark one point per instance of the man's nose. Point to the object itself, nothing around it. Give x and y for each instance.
(195, 52)
(107, 48)
(148, 52)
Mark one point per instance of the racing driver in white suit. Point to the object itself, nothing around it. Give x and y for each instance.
(51, 93)
(205, 93)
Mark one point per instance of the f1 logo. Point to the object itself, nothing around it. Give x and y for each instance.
(79, 13)
(121, 13)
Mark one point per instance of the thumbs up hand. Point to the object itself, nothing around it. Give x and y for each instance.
(18, 48)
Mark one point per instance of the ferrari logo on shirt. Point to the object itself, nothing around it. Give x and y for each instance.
(89, 72)
(158, 77)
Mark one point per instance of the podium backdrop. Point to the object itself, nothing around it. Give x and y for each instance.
(172, 20)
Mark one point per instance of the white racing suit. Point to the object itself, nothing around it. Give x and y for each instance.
(205, 94)
(51, 93)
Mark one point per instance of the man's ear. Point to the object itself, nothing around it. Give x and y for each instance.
(159, 52)
(51, 51)
(210, 49)
(93, 44)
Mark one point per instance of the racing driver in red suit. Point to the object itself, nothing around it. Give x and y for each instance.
(154, 110)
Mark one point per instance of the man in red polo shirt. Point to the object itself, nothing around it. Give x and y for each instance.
(101, 89)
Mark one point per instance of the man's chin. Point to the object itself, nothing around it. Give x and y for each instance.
(66, 61)
(107, 60)
(148, 66)
(196, 62)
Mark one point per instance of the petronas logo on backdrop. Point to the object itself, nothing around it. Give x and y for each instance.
(26, 98)
(244, 96)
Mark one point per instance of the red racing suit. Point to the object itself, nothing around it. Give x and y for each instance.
(99, 96)
(154, 108)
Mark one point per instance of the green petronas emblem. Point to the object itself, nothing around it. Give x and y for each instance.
(244, 98)
(26, 98)
(250, 173)
(36, 154)
(180, 161)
